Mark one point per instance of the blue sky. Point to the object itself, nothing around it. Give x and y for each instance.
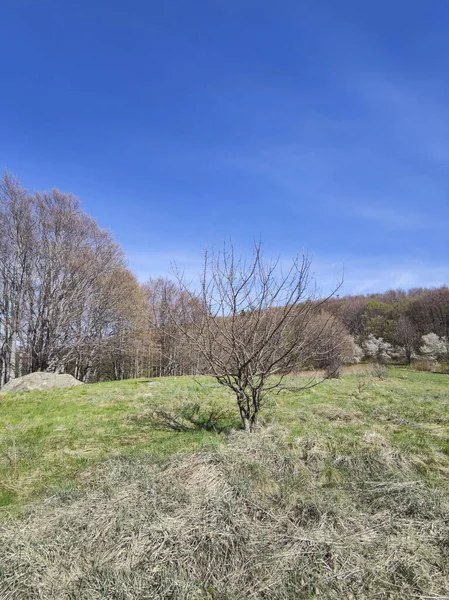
(309, 124)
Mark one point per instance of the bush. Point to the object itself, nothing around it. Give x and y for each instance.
(379, 370)
(434, 347)
(424, 365)
(188, 416)
(378, 349)
(353, 353)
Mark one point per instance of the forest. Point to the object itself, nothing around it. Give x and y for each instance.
(70, 304)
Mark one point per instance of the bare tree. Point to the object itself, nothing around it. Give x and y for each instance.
(73, 258)
(332, 347)
(167, 302)
(162, 295)
(407, 337)
(67, 300)
(16, 245)
(257, 323)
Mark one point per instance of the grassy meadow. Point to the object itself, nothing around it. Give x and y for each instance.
(344, 493)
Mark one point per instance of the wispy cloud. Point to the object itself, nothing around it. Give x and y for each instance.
(360, 276)
(379, 274)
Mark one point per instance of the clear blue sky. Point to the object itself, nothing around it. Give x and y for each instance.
(314, 123)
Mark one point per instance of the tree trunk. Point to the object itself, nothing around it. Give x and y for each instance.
(13, 356)
(408, 355)
(249, 420)
(247, 424)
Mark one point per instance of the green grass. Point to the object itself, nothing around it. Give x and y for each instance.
(344, 495)
(49, 439)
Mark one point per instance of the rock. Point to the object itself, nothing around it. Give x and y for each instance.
(39, 382)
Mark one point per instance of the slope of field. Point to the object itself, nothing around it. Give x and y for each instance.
(48, 438)
(343, 494)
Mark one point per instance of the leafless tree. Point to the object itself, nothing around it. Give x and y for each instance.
(166, 302)
(258, 322)
(330, 349)
(162, 295)
(16, 246)
(406, 336)
(73, 261)
(67, 301)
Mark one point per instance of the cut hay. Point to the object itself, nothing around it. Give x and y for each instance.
(255, 518)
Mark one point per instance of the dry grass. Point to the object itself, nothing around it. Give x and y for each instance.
(344, 370)
(260, 516)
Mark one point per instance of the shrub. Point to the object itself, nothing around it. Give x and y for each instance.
(379, 370)
(352, 352)
(378, 348)
(424, 364)
(192, 415)
(434, 347)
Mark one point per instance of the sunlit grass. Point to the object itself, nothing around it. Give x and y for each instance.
(48, 439)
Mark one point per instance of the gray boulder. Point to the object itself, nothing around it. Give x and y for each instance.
(39, 382)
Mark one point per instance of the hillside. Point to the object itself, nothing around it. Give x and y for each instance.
(343, 494)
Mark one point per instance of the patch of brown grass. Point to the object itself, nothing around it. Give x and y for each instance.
(333, 412)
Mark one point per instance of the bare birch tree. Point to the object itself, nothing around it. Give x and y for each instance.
(65, 292)
(16, 246)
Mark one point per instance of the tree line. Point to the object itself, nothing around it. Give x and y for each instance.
(398, 325)
(64, 288)
(69, 303)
